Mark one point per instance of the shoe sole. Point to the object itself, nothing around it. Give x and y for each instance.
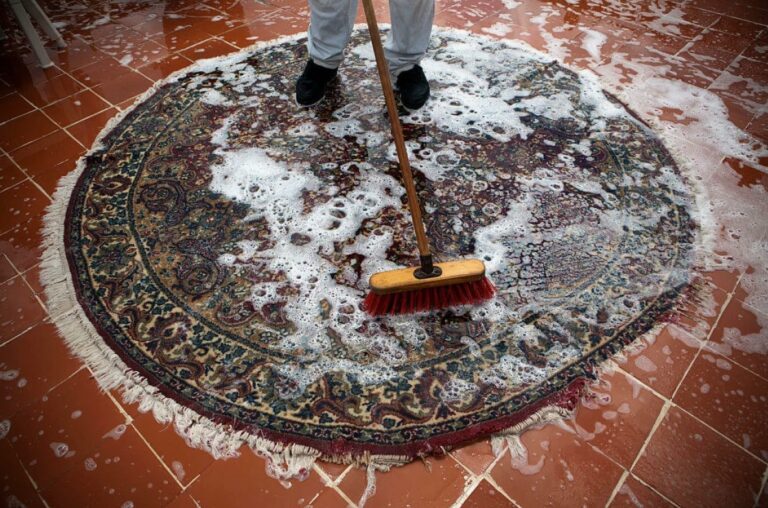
(318, 101)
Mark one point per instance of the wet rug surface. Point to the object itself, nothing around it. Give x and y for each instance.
(220, 240)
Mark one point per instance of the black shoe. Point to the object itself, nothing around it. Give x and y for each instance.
(311, 85)
(413, 87)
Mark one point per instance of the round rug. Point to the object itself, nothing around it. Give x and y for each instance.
(219, 239)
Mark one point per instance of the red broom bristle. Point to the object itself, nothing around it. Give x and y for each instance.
(420, 300)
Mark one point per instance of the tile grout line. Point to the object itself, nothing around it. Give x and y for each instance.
(725, 305)
(761, 491)
(486, 474)
(617, 488)
(157, 456)
(467, 491)
(332, 484)
(653, 489)
(662, 414)
(687, 412)
(129, 422)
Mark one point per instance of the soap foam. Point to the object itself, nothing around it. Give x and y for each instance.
(296, 266)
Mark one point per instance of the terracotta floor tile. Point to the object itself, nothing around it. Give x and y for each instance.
(185, 462)
(476, 457)
(633, 494)
(415, 484)
(127, 45)
(729, 398)
(13, 105)
(618, 417)
(101, 71)
(21, 205)
(328, 498)
(745, 82)
(163, 68)
(665, 43)
(246, 35)
(215, 23)
(447, 18)
(9, 173)
(62, 429)
(22, 245)
(24, 129)
(111, 36)
(246, 10)
(183, 501)
(143, 53)
(475, 10)
(716, 50)
(6, 270)
(32, 277)
(664, 65)
(176, 40)
(758, 50)
(208, 49)
(123, 88)
(87, 130)
(334, 471)
(726, 280)
(683, 20)
(19, 309)
(664, 361)
(697, 312)
(763, 502)
(693, 466)
(28, 377)
(154, 26)
(758, 127)
(740, 27)
(286, 23)
(78, 54)
(732, 43)
(485, 495)
(243, 481)
(15, 487)
(21, 72)
(750, 10)
(740, 109)
(119, 471)
(560, 469)
(75, 108)
(49, 158)
(740, 336)
(50, 90)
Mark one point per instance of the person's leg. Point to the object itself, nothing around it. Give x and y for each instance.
(409, 38)
(330, 27)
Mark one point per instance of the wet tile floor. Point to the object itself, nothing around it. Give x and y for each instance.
(680, 422)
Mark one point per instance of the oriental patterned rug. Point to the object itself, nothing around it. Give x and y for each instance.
(211, 253)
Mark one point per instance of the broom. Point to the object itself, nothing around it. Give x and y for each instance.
(431, 285)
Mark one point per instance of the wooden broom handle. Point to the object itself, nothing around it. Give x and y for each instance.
(397, 130)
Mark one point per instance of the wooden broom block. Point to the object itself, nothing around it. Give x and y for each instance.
(401, 280)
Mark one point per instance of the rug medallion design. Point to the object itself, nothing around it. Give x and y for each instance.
(219, 240)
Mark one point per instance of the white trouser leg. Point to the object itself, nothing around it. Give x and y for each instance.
(31, 33)
(409, 38)
(42, 19)
(330, 27)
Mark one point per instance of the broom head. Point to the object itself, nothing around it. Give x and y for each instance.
(401, 292)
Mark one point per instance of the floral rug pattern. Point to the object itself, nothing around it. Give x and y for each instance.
(221, 239)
